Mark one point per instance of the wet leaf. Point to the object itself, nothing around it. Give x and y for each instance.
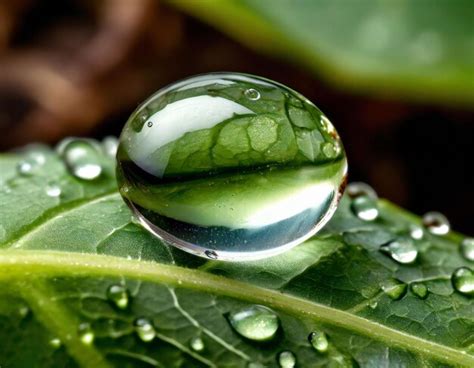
(81, 284)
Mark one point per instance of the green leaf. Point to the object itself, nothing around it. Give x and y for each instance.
(61, 254)
(420, 49)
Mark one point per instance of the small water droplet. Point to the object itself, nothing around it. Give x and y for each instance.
(55, 343)
(467, 248)
(53, 190)
(331, 150)
(463, 280)
(419, 289)
(110, 145)
(118, 295)
(358, 189)
(196, 343)
(416, 232)
(211, 254)
(82, 159)
(252, 94)
(395, 289)
(365, 208)
(327, 125)
(144, 329)
(318, 340)
(401, 250)
(436, 223)
(86, 335)
(26, 167)
(256, 323)
(149, 124)
(286, 359)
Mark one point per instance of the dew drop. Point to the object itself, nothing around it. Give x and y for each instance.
(463, 280)
(86, 335)
(82, 159)
(331, 150)
(256, 323)
(53, 190)
(365, 208)
(401, 250)
(319, 341)
(144, 329)
(55, 343)
(358, 189)
(394, 289)
(110, 145)
(26, 167)
(286, 359)
(252, 94)
(416, 232)
(436, 223)
(118, 295)
(419, 289)
(467, 248)
(196, 343)
(211, 254)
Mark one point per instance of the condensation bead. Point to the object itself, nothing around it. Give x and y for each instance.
(230, 166)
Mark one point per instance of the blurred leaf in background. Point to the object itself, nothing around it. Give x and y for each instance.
(421, 49)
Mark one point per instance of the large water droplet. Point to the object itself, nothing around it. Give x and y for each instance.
(436, 223)
(256, 323)
(118, 294)
(463, 280)
(401, 250)
(358, 189)
(395, 289)
(196, 343)
(144, 329)
(286, 359)
(253, 179)
(319, 341)
(419, 289)
(81, 158)
(365, 208)
(467, 248)
(86, 335)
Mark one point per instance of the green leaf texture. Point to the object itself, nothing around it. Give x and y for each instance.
(60, 254)
(421, 49)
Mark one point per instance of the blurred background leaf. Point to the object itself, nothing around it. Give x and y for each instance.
(395, 77)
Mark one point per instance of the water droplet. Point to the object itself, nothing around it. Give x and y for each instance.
(436, 223)
(319, 341)
(144, 329)
(401, 250)
(416, 232)
(86, 335)
(467, 248)
(118, 294)
(255, 193)
(286, 359)
(211, 254)
(358, 189)
(395, 289)
(53, 190)
(55, 343)
(252, 94)
(26, 167)
(373, 304)
(365, 208)
(197, 344)
(419, 289)
(82, 159)
(256, 323)
(110, 145)
(331, 150)
(463, 280)
(149, 124)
